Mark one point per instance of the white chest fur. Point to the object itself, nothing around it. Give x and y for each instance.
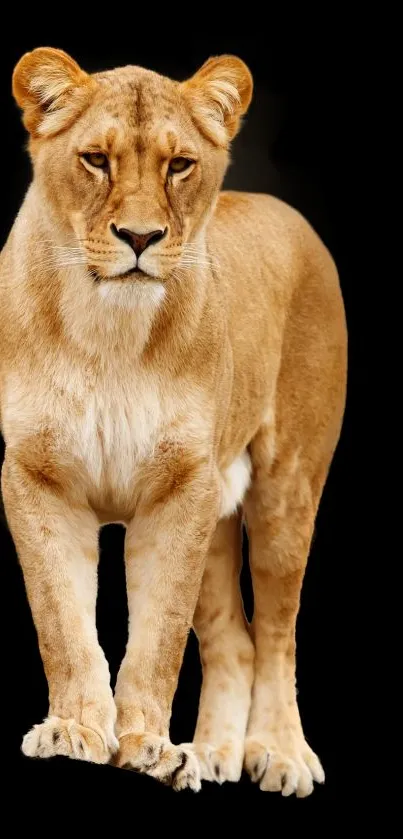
(116, 432)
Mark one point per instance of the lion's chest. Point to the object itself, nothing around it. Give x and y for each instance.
(116, 432)
(98, 439)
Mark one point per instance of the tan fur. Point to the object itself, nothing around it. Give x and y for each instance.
(209, 386)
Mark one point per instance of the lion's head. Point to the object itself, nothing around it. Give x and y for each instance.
(129, 163)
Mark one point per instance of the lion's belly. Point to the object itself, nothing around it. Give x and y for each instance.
(235, 481)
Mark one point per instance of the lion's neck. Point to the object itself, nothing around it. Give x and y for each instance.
(108, 318)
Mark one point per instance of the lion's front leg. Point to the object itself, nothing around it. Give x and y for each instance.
(165, 552)
(56, 537)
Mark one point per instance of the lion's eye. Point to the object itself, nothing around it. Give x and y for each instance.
(179, 164)
(96, 159)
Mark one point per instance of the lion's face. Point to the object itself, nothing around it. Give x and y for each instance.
(129, 162)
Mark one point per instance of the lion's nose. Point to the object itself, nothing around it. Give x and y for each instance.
(138, 241)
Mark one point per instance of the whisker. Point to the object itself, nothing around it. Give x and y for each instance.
(71, 263)
(190, 258)
(194, 250)
(190, 247)
(196, 263)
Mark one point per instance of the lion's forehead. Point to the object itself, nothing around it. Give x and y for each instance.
(143, 94)
(139, 104)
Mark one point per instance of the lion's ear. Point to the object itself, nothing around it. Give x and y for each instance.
(50, 88)
(219, 94)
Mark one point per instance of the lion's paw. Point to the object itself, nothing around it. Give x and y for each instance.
(176, 766)
(56, 736)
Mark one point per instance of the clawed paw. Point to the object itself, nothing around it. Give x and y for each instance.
(57, 736)
(291, 769)
(220, 764)
(156, 756)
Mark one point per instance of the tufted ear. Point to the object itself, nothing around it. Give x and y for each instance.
(219, 94)
(51, 89)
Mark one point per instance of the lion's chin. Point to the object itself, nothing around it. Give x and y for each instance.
(132, 294)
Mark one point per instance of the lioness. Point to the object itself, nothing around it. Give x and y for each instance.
(173, 358)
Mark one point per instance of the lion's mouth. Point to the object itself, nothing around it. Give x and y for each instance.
(135, 273)
(132, 272)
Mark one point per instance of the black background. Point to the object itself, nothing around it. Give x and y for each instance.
(300, 141)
